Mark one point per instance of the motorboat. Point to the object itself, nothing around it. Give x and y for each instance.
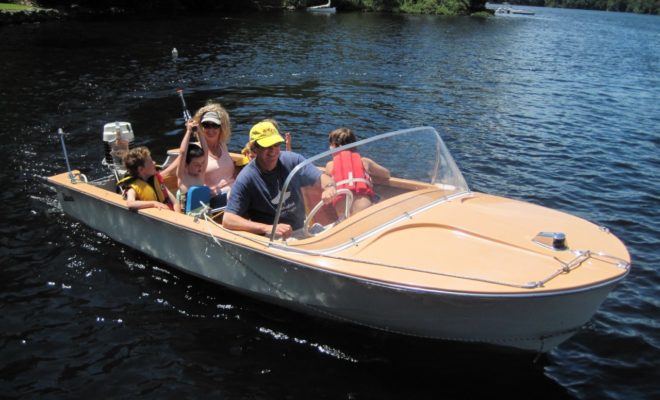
(515, 11)
(323, 8)
(430, 258)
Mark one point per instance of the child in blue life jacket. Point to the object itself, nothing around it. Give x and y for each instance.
(191, 172)
(145, 187)
(351, 171)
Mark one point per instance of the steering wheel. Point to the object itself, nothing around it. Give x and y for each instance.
(317, 207)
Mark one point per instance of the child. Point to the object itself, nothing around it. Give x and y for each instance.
(145, 187)
(353, 172)
(190, 172)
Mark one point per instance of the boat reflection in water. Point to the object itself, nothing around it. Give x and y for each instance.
(431, 258)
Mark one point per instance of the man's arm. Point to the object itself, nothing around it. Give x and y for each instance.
(328, 186)
(235, 222)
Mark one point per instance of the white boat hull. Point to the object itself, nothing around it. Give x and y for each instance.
(324, 10)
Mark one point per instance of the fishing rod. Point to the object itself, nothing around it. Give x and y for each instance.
(60, 132)
(186, 113)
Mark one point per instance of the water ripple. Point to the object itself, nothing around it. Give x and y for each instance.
(561, 109)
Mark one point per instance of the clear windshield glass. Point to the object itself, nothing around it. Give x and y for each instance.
(419, 166)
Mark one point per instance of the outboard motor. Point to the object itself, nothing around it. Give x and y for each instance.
(116, 139)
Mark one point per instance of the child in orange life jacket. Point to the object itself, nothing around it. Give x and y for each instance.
(145, 185)
(191, 172)
(353, 172)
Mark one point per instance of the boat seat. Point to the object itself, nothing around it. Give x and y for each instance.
(197, 197)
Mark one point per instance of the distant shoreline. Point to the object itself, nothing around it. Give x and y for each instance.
(27, 16)
(28, 11)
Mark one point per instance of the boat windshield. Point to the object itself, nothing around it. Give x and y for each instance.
(419, 165)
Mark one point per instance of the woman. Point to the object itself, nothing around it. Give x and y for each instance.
(219, 175)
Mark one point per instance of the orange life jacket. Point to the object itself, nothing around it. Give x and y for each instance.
(348, 173)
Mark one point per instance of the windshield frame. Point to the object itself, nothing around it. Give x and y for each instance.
(440, 150)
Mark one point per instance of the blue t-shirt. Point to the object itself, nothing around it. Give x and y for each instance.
(255, 194)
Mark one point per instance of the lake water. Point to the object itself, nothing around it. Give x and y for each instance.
(561, 109)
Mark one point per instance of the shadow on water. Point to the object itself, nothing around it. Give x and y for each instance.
(371, 364)
(258, 350)
(148, 330)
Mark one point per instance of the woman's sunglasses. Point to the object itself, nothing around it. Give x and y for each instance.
(210, 125)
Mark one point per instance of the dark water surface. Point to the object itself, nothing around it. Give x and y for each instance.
(561, 109)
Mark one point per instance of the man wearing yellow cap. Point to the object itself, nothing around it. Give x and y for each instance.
(257, 191)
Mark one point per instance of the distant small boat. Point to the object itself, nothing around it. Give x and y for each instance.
(323, 8)
(509, 10)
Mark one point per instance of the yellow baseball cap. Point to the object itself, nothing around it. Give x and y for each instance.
(265, 134)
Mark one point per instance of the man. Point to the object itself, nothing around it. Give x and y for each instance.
(257, 191)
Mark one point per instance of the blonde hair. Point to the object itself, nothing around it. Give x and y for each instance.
(225, 124)
(134, 159)
(341, 136)
(275, 124)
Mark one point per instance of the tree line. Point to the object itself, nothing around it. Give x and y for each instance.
(437, 7)
(634, 6)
